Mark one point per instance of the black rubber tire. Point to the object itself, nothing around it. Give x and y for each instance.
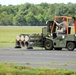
(58, 49)
(48, 45)
(70, 46)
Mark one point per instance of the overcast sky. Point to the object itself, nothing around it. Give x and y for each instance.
(16, 2)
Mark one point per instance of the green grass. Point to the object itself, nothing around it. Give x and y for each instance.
(12, 69)
(8, 34)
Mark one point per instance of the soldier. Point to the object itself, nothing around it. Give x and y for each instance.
(61, 25)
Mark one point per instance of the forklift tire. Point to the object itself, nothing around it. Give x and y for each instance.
(70, 46)
(48, 45)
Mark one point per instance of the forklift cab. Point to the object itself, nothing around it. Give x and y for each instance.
(68, 29)
(53, 28)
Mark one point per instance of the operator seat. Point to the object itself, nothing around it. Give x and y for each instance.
(65, 32)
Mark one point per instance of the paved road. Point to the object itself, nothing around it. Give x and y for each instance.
(39, 58)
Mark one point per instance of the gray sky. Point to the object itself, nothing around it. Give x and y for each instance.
(15, 2)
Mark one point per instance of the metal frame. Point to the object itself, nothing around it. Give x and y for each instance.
(67, 19)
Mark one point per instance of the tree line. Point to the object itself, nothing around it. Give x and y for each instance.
(34, 14)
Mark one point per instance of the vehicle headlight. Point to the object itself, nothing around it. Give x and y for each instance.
(63, 36)
(51, 34)
(75, 34)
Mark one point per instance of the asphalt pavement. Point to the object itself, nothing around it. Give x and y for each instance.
(39, 58)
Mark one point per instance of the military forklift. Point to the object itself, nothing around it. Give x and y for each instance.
(61, 40)
(49, 38)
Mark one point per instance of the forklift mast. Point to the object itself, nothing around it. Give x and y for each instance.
(50, 25)
(75, 25)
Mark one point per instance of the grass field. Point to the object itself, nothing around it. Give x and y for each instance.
(11, 69)
(8, 34)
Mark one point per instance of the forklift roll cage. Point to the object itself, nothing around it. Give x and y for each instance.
(67, 23)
